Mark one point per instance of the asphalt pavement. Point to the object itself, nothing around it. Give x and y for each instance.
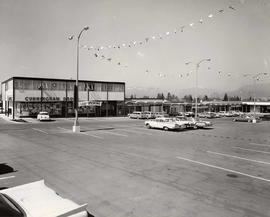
(120, 168)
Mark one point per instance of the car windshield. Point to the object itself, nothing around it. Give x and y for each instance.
(43, 113)
(8, 208)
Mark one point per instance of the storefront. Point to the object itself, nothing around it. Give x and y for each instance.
(23, 96)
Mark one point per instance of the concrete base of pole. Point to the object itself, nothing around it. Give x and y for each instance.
(254, 120)
(76, 129)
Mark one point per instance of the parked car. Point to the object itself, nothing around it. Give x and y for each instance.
(163, 123)
(149, 115)
(187, 120)
(137, 115)
(43, 116)
(202, 115)
(246, 118)
(37, 200)
(199, 123)
(181, 121)
(161, 115)
(189, 114)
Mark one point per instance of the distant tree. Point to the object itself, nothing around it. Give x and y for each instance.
(225, 98)
(169, 97)
(162, 96)
(131, 96)
(188, 98)
(145, 97)
(205, 98)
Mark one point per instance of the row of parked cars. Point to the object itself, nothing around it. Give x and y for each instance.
(177, 123)
(147, 115)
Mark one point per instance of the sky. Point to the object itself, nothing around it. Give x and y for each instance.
(34, 41)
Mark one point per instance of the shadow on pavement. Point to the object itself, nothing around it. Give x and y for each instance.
(4, 168)
(3, 188)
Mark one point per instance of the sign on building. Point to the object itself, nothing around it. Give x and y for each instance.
(89, 103)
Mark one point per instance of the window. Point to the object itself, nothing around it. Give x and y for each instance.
(89, 86)
(110, 87)
(103, 87)
(8, 208)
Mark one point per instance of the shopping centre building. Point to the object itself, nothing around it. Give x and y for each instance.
(27, 96)
(158, 105)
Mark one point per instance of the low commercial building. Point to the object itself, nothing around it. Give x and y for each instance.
(158, 105)
(27, 96)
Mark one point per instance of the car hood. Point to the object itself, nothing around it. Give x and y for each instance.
(38, 200)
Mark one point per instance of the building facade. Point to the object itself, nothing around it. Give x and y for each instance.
(25, 96)
(158, 105)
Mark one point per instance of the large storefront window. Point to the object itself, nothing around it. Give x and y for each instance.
(33, 108)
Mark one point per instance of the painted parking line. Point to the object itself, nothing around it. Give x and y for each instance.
(224, 169)
(116, 134)
(7, 177)
(61, 128)
(254, 150)
(93, 135)
(258, 144)
(241, 158)
(133, 131)
(42, 131)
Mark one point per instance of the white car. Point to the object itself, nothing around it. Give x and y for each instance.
(199, 123)
(163, 123)
(37, 200)
(149, 115)
(43, 116)
(161, 115)
(189, 122)
(137, 115)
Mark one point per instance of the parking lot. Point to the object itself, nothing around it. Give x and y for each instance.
(121, 168)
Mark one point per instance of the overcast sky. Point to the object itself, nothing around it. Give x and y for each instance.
(34, 41)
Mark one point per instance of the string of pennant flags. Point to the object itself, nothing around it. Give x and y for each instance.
(98, 51)
(146, 40)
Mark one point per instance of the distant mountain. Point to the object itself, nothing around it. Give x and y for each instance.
(262, 91)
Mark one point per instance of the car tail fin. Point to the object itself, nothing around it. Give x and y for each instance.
(74, 211)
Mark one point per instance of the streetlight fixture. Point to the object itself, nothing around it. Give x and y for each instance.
(76, 126)
(255, 78)
(196, 89)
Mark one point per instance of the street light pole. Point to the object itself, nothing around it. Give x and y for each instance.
(76, 126)
(196, 90)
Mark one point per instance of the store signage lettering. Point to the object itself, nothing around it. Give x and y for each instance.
(90, 103)
(34, 99)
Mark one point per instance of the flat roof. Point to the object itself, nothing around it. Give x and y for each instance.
(257, 103)
(57, 79)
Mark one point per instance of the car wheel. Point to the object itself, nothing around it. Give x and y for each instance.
(195, 127)
(165, 128)
(148, 126)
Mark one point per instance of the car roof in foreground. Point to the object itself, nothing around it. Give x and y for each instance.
(41, 201)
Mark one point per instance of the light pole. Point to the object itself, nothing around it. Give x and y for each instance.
(76, 126)
(196, 89)
(255, 78)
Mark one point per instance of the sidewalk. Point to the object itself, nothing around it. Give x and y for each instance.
(9, 119)
(34, 120)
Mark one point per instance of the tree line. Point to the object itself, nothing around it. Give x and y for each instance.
(189, 98)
